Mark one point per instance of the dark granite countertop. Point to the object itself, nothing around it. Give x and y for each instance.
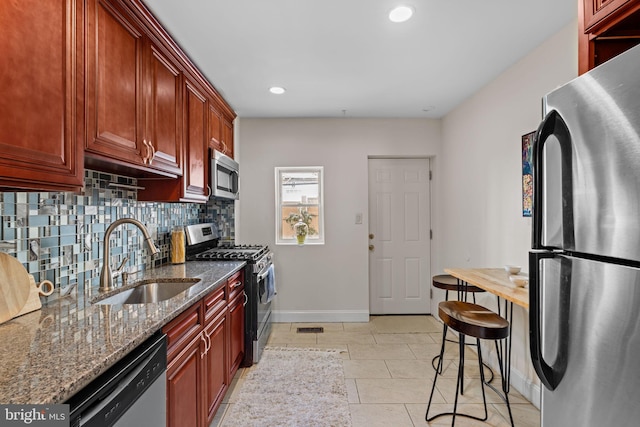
(48, 355)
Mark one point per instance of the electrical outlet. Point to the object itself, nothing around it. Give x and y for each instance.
(358, 218)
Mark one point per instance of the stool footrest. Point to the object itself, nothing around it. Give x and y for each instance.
(457, 414)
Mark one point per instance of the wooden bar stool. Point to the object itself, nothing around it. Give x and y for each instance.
(449, 283)
(481, 323)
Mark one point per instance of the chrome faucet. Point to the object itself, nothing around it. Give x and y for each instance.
(106, 275)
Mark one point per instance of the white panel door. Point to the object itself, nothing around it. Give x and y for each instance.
(399, 227)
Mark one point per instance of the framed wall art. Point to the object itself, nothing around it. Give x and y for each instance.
(527, 174)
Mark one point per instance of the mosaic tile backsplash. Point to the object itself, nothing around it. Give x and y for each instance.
(58, 236)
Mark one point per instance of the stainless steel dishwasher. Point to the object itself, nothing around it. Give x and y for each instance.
(130, 393)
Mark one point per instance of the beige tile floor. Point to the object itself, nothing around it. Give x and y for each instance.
(387, 366)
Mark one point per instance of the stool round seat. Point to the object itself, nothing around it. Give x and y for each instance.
(473, 320)
(450, 283)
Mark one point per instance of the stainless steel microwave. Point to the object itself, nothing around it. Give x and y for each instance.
(224, 176)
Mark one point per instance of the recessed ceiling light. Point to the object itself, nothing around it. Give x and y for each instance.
(277, 90)
(401, 14)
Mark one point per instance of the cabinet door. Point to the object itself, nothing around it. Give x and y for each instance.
(227, 137)
(215, 127)
(235, 284)
(164, 112)
(184, 386)
(41, 91)
(606, 28)
(595, 11)
(196, 144)
(115, 116)
(216, 363)
(236, 333)
(183, 329)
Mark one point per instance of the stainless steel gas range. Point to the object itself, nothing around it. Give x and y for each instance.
(259, 273)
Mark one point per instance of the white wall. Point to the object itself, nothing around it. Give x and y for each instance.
(322, 282)
(482, 222)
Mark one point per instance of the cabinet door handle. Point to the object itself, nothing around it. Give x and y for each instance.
(153, 152)
(210, 191)
(246, 298)
(236, 284)
(207, 345)
(208, 341)
(145, 158)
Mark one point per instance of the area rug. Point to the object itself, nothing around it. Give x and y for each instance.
(292, 387)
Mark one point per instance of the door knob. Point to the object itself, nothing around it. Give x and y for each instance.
(371, 247)
(371, 236)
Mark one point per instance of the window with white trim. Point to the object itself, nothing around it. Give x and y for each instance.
(299, 198)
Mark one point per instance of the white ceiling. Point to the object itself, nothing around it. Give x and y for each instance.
(344, 58)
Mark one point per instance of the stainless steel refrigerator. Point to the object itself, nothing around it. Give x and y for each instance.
(585, 261)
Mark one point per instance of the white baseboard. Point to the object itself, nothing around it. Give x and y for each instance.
(526, 387)
(324, 316)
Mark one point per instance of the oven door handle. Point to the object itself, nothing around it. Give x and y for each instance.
(263, 275)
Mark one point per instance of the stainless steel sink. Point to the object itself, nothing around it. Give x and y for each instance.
(150, 291)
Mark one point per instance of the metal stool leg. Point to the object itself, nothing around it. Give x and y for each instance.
(459, 383)
(505, 383)
(480, 366)
(435, 378)
(460, 378)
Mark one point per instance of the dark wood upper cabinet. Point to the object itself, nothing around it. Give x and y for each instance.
(197, 165)
(41, 93)
(227, 137)
(606, 29)
(220, 130)
(133, 95)
(164, 112)
(101, 84)
(115, 108)
(192, 186)
(595, 11)
(215, 128)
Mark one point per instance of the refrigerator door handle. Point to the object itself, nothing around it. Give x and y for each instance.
(552, 125)
(550, 376)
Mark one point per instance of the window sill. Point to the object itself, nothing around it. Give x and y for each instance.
(294, 243)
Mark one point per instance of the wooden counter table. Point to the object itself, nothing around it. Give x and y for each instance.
(493, 280)
(496, 281)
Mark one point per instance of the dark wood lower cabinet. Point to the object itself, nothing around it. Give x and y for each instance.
(184, 405)
(236, 332)
(205, 349)
(216, 364)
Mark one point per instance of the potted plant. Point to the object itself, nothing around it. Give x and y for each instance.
(300, 223)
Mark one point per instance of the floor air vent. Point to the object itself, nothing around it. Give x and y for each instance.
(314, 330)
